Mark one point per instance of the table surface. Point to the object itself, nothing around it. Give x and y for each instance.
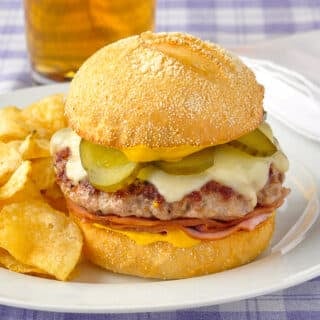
(248, 27)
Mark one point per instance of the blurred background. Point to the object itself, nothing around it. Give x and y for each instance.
(238, 22)
(245, 26)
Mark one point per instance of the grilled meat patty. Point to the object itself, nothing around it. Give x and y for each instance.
(141, 198)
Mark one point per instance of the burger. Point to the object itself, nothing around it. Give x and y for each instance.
(168, 165)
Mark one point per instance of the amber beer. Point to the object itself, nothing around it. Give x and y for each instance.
(61, 34)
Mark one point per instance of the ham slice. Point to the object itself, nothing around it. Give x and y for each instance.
(247, 225)
(203, 229)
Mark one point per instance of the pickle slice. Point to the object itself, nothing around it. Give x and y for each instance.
(255, 143)
(108, 169)
(192, 164)
(112, 179)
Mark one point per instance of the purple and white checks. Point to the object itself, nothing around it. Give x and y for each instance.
(229, 22)
(238, 22)
(298, 303)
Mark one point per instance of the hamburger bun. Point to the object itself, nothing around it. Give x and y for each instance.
(118, 253)
(163, 90)
(158, 93)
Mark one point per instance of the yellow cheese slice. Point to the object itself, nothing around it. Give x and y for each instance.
(177, 237)
(144, 154)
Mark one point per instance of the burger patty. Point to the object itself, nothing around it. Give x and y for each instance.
(141, 198)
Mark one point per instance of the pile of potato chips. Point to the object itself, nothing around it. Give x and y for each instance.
(36, 235)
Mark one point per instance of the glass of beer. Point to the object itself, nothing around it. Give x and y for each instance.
(61, 34)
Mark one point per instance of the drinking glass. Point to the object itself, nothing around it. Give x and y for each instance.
(61, 34)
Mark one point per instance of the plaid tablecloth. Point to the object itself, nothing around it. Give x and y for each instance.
(229, 22)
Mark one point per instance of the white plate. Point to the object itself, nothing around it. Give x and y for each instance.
(95, 291)
(289, 97)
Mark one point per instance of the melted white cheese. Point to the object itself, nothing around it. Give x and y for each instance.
(233, 168)
(67, 138)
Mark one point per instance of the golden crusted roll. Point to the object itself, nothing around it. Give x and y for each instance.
(163, 90)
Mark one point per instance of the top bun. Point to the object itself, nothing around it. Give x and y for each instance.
(163, 90)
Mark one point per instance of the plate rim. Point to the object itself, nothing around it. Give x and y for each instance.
(289, 124)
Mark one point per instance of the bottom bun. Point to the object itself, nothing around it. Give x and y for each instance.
(118, 253)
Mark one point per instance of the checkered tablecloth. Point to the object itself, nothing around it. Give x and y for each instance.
(231, 23)
(228, 22)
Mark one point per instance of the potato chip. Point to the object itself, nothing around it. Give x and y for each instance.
(42, 173)
(15, 144)
(39, 236)
(54, 192)
(20, 186)
(55, 198)
(12, 124)
(32, 147)
(46, 116)
(9, 262)
(10, 159)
